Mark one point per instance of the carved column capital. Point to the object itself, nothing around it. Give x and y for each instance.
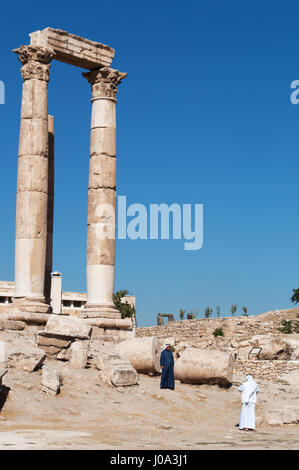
(35, 62)
(104, 82)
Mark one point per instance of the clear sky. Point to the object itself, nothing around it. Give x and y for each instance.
(204, 116)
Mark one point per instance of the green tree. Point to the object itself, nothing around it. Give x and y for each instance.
(234, 309)
(245, 311)
(124, 308)
(181, 314)
(218, 311)
(295, 296)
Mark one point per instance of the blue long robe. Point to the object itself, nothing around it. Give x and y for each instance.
(167, 378)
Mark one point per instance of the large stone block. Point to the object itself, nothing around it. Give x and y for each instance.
(34, 99)
(101, 250)
(143, 353)
(116, 370)
(33, 137)
(102, 172)
(51, 380)
(48, 339)
(73, 49)
(68, 326)
(101, 206)
(103, 141)
(287, 415)
(27, 359)
(33, 173)
(31, 221)
(79, 354)
(202, 366)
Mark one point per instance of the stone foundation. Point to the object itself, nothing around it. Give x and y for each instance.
(265, 370)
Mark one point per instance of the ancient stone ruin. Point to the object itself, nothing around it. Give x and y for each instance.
(35, 188)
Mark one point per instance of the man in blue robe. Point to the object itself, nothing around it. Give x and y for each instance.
(167, 365)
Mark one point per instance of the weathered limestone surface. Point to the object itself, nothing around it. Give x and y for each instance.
(27, 359)
(116, 370)
(35, 198)
(51, 380)
(199, 366)
(279, 417)
(271, 370)
(102, 193)
(26, 317)
(143, 353)
(68, 326)
(79, 354)
(73, 49)
(12, 325)
(32, 190)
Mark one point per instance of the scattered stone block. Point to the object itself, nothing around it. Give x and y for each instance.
(12, 325)
(79, 354)
(116, 370)
(51, 381)
(48, 339)
(286, 415)
(64, 355)
(27, 359)
(71, 327)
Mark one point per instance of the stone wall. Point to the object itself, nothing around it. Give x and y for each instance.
(266, 370)
(199, 328)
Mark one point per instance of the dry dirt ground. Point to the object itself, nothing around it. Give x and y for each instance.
(89, 414)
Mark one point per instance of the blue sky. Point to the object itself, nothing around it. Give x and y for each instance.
(204, 116)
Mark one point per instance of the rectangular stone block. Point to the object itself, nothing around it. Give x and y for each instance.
(79, 354)
(103, 113)
(103, 141)
(33, 173)
(102, 172)
(51, 381)
(101, 205)
(73, 49)
(100, 250)
(47, 339)
(34, 99)
(68, 326)
(33, 137)
(31, 221)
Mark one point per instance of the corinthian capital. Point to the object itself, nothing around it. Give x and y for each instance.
(104, 81)
(35, 61)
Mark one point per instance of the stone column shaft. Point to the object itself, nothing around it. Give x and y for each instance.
(102, 194)
(32, 188)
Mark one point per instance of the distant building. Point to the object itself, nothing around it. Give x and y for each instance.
(72, 302)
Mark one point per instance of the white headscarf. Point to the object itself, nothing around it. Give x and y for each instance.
(249, 390)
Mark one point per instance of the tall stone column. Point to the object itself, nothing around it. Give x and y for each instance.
(32, 189)
(102, 194)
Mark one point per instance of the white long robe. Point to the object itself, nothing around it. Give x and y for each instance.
(249, 390)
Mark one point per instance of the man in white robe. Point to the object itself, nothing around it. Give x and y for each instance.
(249, 390)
